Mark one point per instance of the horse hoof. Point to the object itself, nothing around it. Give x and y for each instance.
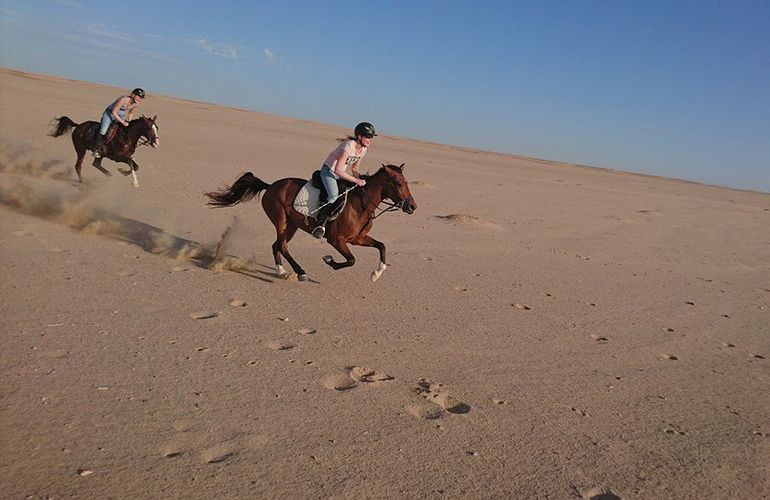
(302, 277)
(328, 259)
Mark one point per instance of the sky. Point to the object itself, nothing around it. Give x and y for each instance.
(673, 88)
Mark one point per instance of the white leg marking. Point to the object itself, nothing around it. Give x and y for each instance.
(134, 180)
(378, 272)
(279, 270)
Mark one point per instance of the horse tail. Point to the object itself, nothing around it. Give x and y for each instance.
(62, 126)
(245, 188)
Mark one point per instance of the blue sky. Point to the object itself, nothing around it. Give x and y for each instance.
(673, 88)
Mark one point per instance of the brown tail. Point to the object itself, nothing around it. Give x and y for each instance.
(62, 126)
(245, 188)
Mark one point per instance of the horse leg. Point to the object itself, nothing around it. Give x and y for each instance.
(133, 168)
(98, 164)
(368, 241)
(342, 248)
(79, 163)
(284, 233)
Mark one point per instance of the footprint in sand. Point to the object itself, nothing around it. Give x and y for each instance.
(437, 394)
(341, 382)
(204, 314)
(217, 453)
(354, 375)
(368, 376)
(171, 450)
(674, 429)
(281, 345)
(597, 493)
(582, 413)
(425, 410)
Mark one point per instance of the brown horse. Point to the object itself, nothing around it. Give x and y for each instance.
(352, 225)
(120, 149)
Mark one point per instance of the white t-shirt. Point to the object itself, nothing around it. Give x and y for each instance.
(349, 147)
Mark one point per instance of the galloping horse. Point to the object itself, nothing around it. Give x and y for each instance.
(120, 149)
(352, 225)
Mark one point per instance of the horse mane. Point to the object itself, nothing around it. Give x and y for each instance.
(383, 169)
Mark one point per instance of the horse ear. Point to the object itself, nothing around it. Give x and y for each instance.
(401, 167)
(154, 117)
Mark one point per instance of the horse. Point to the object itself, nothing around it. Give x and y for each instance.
(350, 227)
(119, 149)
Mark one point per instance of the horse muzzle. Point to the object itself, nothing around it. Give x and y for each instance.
(155, 143)
(408, 205)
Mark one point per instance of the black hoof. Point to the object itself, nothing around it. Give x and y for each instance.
(302, 277)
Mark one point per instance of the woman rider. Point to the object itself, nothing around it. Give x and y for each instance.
(119, 111)
(349, 152)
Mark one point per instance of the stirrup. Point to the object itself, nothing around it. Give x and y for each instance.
(97, 154)
(319, 231)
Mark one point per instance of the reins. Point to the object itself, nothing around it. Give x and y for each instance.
(391, 208)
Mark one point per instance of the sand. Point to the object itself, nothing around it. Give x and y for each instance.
(543, 330)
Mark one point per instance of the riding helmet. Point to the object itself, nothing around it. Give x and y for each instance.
(138, 92)
(365, 129)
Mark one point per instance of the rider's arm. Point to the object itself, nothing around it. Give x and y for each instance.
(339, 169)
(116, 106)
(354, 168)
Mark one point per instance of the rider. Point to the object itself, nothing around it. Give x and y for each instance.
(350, 151)
(119, 111)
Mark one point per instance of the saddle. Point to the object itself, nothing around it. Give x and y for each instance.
(308, 199)
(111, 132)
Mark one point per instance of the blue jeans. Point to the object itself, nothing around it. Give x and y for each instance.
(107, 120)
(329, 180)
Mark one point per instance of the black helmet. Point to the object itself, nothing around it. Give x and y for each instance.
(138, 92)
(365, 129)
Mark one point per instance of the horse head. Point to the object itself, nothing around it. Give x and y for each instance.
(397, 189)
(150, 130)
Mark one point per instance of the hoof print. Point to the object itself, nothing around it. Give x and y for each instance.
(436, 393)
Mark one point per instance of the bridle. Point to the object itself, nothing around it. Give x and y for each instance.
(143, 139)
(391, 207)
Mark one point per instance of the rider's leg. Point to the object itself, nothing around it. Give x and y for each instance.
(99, 144)
(332, 192)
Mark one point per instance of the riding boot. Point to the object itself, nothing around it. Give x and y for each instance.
(321, 218)
(99, 146)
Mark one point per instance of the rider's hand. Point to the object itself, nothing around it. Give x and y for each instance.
(361, 182)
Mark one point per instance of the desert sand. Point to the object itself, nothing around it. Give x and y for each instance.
(543, 330)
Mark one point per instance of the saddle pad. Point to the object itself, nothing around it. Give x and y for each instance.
(307, 201)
